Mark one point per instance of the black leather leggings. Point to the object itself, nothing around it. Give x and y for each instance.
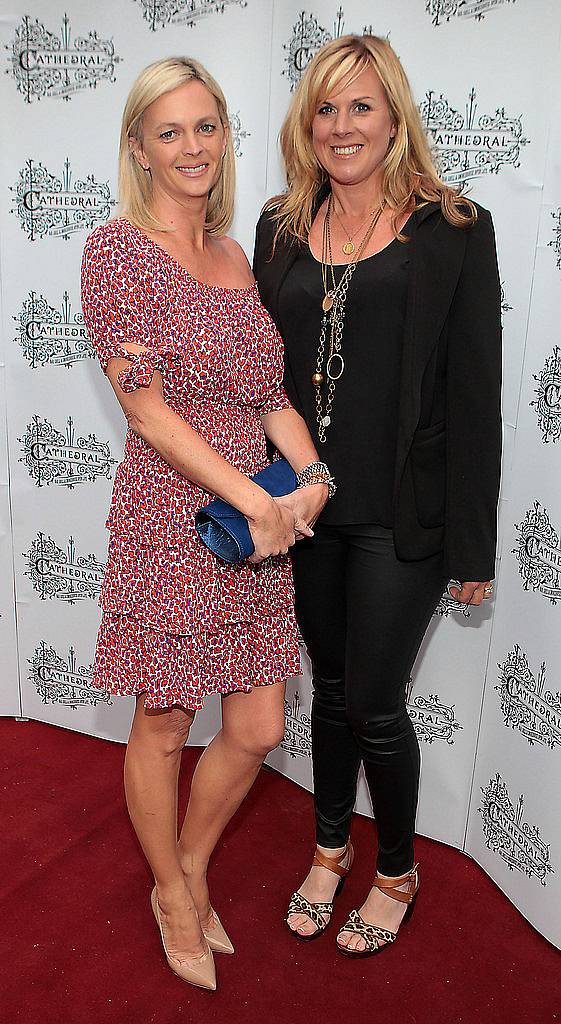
(363, 614)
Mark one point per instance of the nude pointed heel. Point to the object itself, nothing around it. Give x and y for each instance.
(201, 971)
(217, 937)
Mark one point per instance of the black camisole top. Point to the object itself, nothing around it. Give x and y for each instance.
(361, 438)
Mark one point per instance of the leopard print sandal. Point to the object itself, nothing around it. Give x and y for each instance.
(300, 905)
(375, 938)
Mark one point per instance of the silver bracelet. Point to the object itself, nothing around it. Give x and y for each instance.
(316, 473)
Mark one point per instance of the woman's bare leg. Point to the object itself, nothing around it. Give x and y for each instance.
(252, 725)
(152, 764)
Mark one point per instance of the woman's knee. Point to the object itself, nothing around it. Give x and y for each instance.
(165, 730)
(268, 738)
(378, 725)
(259, 737)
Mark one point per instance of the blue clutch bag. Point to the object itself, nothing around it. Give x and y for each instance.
(224, 529)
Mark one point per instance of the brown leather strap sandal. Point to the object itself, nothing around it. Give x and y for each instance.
(375, 938)
(300, 905)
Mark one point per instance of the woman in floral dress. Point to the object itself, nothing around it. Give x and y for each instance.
(196, 363)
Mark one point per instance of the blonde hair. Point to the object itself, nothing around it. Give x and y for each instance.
(135, 184)
(408, 169)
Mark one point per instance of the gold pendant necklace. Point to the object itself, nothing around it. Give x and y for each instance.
(349, 247)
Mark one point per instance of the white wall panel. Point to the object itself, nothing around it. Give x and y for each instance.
(485, 689)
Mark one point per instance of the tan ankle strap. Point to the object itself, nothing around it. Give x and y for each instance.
(334, 863)
(389, 885)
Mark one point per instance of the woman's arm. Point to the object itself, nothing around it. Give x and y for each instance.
(473, 416)
(117, 302)
(272, 527)
(284, 427)
(288, 432)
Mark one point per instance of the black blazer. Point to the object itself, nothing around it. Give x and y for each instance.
(447, 467)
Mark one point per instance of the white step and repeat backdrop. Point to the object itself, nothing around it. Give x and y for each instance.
(485, 692)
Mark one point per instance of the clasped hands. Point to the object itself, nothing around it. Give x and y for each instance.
(292, 517)
(287, 519)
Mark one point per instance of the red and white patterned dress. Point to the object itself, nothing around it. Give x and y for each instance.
(178, 623)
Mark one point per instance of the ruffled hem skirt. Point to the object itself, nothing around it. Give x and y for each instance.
(182, 670)
(178, 624)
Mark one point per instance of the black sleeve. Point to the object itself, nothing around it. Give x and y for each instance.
(256, 247)
(263, 269)
(473, 415)
(263, 243)
(264, 275)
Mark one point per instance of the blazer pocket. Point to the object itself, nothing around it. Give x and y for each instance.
(428, 463)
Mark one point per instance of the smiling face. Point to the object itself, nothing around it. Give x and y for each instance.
(352, 129)
(183, 142)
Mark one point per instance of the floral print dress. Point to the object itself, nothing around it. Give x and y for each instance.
(178, 623)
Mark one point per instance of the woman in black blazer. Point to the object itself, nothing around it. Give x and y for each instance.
(383, 282)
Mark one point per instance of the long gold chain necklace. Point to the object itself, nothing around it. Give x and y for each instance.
(333, 319)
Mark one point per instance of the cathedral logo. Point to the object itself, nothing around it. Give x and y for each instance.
(56, 458)
(468, 146)
(45, 64)
(548, 397)
(526, 703)
(443, 10)
(61, 681)
(507, 834)
(183, 12)
(448, 605)
(64, 574)
(297, 739)
(505, 306)
(49, 335)
(539, 554)
(239, 133)
(432, 720)
(308, 36)
(556, 241)
(47, 205)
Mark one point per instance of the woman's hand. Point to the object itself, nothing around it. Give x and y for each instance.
(274, 531)
(472, 593)
(306, 503)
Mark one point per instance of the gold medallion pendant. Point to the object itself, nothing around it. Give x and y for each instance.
(327, 302)
(348, 248)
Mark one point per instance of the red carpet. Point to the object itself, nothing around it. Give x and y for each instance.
(81, 947)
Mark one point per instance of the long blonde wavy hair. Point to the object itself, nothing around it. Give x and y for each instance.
(135, 184)
(408, 169)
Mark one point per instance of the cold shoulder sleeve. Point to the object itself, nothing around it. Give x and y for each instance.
(118, 311)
